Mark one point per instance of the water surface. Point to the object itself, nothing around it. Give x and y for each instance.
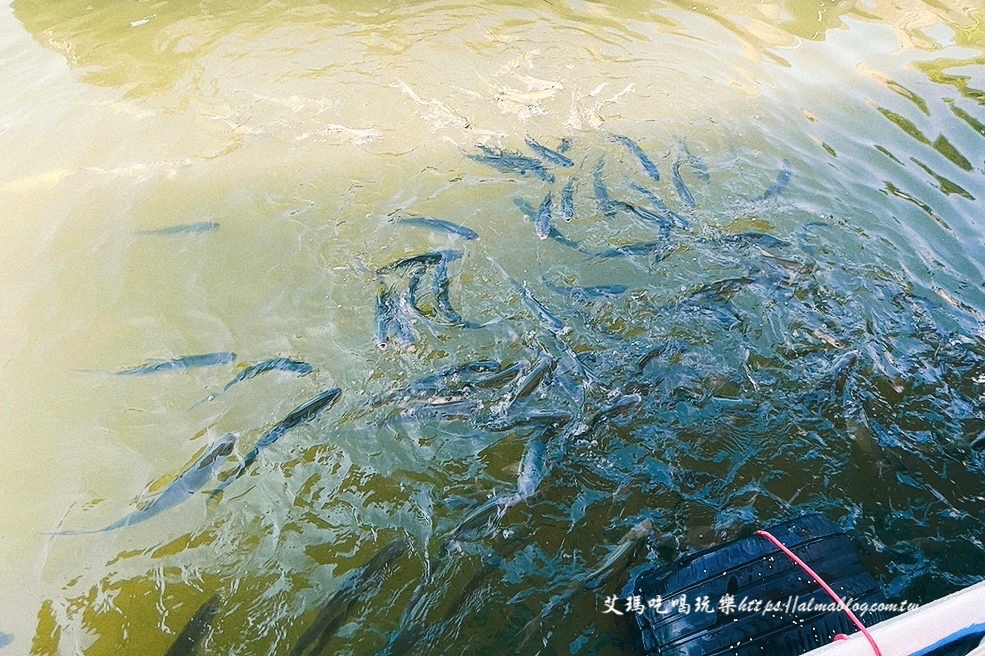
(841, 371)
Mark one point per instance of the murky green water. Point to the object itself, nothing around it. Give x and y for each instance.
(842, 370)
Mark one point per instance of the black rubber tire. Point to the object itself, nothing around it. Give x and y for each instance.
(754, 569)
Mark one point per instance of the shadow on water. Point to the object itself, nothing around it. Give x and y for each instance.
(754, 336)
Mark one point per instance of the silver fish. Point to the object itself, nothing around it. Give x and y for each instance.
(188, 483)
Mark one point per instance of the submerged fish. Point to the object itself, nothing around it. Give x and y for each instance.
(509, 161)
(663, 222)
(586, 294)
(758, 238)
(567, 208)
(440, 224)
(534, 418)
(676, 219)
(648, 165)
(679, 186)
(783, 177)
(191, 637)
(545, 220)
(178, 364)
(188, 228)
(441, 289)
(659, 250)
(605, 202)
(546, 318)
(552, 156)
(188, 483)
(426, 260)
(552, 232)
(301, 414)
(617, 561)
(533, 378)
(444, 410)
(334, 611)
(273, 364)
(386, 315)
(696, 163)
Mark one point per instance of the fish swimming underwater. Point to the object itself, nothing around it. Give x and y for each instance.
(188, 228)
(567, 208)
(301, 414)
(553, 233)
(509, 161)
(586, 294)
(187, 484)
(783, 177)
(440, 225)
(175, 364)
(645, 161)
(334, 611)
(273, 364)
(548, 155)
(195, 631)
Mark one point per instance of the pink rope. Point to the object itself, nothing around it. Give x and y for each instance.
(831, 593)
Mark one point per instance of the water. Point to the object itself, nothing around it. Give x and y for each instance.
(843, 374)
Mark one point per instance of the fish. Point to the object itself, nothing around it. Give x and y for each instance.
(658, 250)
(614, 407)
(441, 225)
(456, 376)
(758, 238)
(273, 364)
(676, 219)
(725, 288)
(301, 414)
(532, 468)
(196, 630)
(548, 155)
(546, 318)
(509, 161)
(553, 233)
(567, 207)
(533, 378)
(605, 203)
(502, 377)
(664, 223)
(616, 562)
(679, 186)
(334, 610)
(648, 165)
(783, 177)
(804, 232)
(188, 228)
(697, 164)
(440, 287)
(545, 220)
(444, 410)
(426, 260)
(386, 315)
(194, 477)
(176, 364)
(668, 349)
(620, 557)
(533, 418)
(586, 294)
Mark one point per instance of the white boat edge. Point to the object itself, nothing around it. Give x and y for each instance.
(918, 629)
